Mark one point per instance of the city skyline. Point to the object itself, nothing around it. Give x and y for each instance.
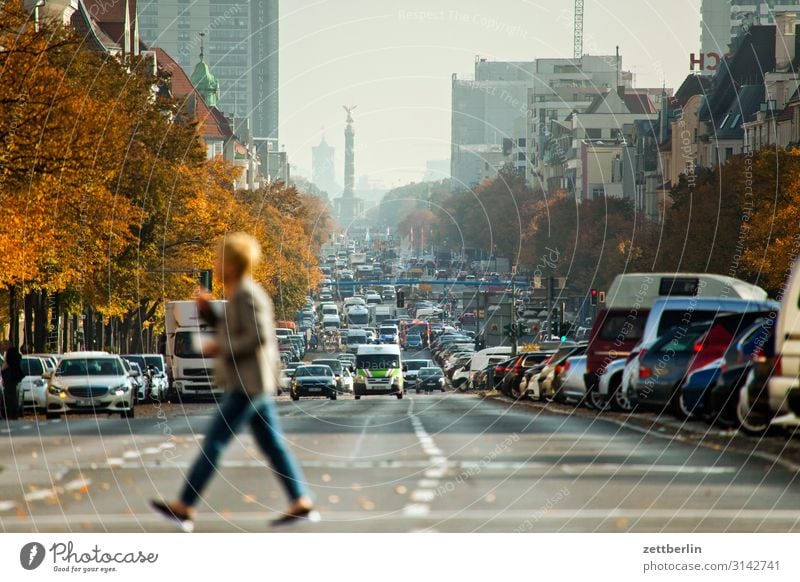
(413, 51)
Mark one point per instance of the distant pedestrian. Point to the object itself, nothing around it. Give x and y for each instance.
(247, 365)
(12, 375)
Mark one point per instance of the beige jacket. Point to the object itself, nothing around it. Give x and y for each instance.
(248, 359)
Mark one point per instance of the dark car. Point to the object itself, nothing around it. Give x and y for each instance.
(313, 380)
(430, 379)
(516, 370)
(723, 397)
(663, 367)
(717, 348)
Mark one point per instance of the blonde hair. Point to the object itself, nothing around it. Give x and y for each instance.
(241, 250)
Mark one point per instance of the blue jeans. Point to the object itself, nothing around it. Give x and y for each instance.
(237, 409)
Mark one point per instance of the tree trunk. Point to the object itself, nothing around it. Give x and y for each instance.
(41, 322)
(27, 340)
(13, 316)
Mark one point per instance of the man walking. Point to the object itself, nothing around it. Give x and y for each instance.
(247, 366)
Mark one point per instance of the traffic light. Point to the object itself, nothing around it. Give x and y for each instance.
(206, 279)
(601, 297)
(510, 330)
(593, 298)
(401, 299)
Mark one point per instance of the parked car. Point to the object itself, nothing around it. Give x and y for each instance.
(32, 388)
(90, 383)
(663, 367)
(568, 383)
(722, 402)
(512, 377)
(313, 380)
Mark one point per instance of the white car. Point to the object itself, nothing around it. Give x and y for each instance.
(33, 388)
(90, 383)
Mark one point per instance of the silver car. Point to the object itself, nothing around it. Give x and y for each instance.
(90, 383)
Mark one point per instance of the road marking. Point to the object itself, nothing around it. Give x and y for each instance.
(39, 494)
(7, 505)
(414, 511)
(436, 465)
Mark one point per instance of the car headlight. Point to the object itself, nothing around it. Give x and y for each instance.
(56, 390)
(38, 382)
(441, 380)
(121, 389)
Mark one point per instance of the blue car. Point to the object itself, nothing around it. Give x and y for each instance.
(413, 342)
(388, 334)
(698, 383)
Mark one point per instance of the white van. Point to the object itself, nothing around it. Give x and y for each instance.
(379, 370)
(329, 309)
(482, 358)
(331, 321)
(784, 383)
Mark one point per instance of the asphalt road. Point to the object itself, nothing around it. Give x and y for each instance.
(443, 462)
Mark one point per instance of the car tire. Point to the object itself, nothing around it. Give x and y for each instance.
(357, 396)
(399, 395)
(130, 413)
(417, 391)
(597, 402)
(749, 423)
(679, 408)
(617, 398)
(295, 397)
(333, 396)
(53, 415)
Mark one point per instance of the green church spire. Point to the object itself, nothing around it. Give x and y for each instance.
(204, 80)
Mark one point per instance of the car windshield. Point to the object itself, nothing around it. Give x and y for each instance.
(622, 327)
(187, 343)
(90, 367)
(377, 361)
(136, 359)
(673, 318)
(32, 366)
(356, 338)
(388, 330)
(416, 364)
(679, 342)
(306, 371)
(334, 365)
(429, 372)
(155, 362)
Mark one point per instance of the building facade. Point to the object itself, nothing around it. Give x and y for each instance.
(241, 46)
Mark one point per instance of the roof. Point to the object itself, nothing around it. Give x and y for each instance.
(692, 85)
(214, 124)
(87, 28)
(639, 103)
(116, 19)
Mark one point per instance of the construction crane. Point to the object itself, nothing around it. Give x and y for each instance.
(577, 50)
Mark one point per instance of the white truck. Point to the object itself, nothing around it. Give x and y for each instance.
(191, 373)
(357, 259)
(381, 313)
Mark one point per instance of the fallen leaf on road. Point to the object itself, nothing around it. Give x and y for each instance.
(326, 478)
(401, 489)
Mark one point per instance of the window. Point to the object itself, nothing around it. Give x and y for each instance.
(593, 133)
(728, 153)
(521, 142)
(521, 156)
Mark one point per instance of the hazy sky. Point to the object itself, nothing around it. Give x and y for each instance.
(394, 59)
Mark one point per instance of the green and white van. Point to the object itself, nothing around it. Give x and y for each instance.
(379, 370)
